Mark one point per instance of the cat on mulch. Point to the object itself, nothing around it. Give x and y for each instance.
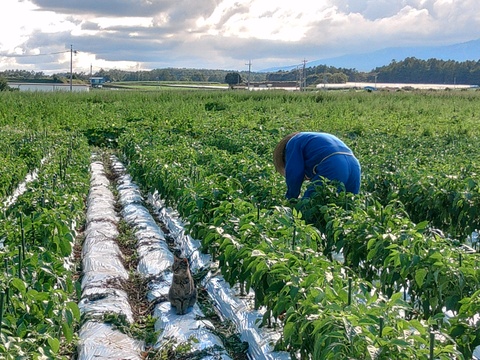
(182, 293)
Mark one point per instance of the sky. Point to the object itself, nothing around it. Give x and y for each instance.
(38, 35)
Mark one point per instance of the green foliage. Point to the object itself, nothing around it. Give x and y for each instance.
(229, 203)
(40, 313)
(431, 71)
(22, 151)
(233, 78)
(385, 300)
(3, 84)
(104, 137)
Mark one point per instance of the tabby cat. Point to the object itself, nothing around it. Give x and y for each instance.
(182, 293)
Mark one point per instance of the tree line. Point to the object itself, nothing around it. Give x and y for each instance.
(409, 70)
(432, 71)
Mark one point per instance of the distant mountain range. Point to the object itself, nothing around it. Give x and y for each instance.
(368, 61)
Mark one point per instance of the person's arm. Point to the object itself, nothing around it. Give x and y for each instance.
(294, 168)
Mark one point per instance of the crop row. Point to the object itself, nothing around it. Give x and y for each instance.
(232, 204)
(38, 312)
(209, 155)
(435, 177)
(20, 153)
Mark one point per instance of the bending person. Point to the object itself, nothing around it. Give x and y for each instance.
(312, 155)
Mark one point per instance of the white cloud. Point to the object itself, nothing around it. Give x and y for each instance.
(222, 33)
(11, 19)
(108, 22)
(262, 19)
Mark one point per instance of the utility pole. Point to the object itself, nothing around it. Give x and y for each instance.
(304, 76)
(298, 78)
(248, 78)
(71, 66)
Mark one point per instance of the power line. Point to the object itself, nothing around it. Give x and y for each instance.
(33, 55)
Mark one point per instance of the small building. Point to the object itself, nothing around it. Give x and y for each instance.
(97, 81)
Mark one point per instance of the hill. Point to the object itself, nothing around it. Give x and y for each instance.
(368, 61)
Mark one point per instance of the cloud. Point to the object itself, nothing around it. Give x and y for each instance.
(111, 8)
(223, 33)
(370, 9)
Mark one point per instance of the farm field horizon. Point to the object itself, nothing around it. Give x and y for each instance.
(408, 284)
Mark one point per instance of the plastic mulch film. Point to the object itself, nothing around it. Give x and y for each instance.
(229, 305)
(476, 353)
(245, 320)
(102, 274)
(179, 329)
(22, 187)
(155, 262)
(153, 252)
(100, 341)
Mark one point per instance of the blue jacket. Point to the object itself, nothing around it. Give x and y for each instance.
(306, 150)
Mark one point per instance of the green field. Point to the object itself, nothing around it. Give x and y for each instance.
(209, 156)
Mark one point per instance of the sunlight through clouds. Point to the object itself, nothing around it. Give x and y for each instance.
(223, 33)
(263, 19)
(22, 19)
